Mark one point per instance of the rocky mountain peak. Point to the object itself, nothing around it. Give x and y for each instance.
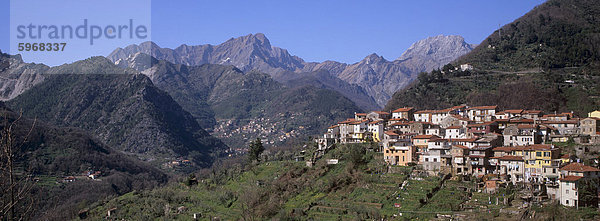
(441, 48)
(373, 59)
(258, 39)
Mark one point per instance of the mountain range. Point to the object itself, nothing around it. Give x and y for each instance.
(240, 106)
(120, 107)
(378, 77)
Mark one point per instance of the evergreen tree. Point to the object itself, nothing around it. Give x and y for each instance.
(254, 151)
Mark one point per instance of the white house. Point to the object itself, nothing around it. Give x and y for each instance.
(571, 177)
(455, 132)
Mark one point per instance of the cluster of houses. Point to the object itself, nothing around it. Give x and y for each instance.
(513, 146)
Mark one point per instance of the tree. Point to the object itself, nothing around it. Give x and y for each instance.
(356, 154)
(15, 202)
(191, 180)
(588, 189)
(256, 148)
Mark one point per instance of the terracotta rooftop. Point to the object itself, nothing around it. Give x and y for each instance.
(463, 140)
(511, 158)
(570, 178)
(532, 112)
(401, 123)
(404, 109)
(483, 108)
(424, 112)
(526, 126)
(461, 146)
(556, 115)
(358, 122)
(391, 133)
(560, 122)
(423, 136)
(579, 167)
(453, 127)
(381, 112)
(481, 124)
(519, 148)
(514, 111)
(522, 121)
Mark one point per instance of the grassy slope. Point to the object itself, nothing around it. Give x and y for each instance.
(289, 190)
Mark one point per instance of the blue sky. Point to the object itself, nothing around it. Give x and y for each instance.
(345, 31)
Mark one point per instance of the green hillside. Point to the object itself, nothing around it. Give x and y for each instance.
(548, 59)
(123, 109)
(49, 154)
(359, 187)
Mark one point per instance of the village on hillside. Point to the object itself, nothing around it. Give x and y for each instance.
(509, 147)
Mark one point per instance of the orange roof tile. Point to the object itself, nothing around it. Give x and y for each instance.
(463, 140)
(532, 111)
(579, 167)
(404, 109)
(560, 122)
(381, 112)
(453, 127)
(514, 111)
(423, 136)
(526, 126)
(461, 146)
(400, 123)
(522, 121)
(511, 158)
(556, 115)
(529, 147)
(358, 122)
(570, 178)
(483, 107)
(391, 133)
(424, 112)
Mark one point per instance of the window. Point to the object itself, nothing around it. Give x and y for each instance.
(538, 154)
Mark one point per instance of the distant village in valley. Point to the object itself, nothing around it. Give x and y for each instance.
(523, 148)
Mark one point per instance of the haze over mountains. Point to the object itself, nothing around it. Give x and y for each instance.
(378, 77)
